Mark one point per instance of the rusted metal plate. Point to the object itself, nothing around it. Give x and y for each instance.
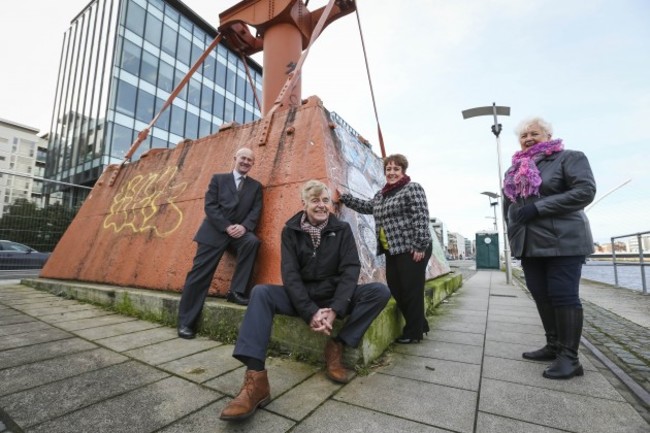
(139, 231)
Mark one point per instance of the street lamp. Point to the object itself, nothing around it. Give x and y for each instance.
(494, 204)
(496, 130)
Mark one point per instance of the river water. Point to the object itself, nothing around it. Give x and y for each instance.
(628, 276)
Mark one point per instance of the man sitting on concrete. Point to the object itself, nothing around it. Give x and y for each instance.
(320, 270)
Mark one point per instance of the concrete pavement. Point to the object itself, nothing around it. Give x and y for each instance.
(72, 367)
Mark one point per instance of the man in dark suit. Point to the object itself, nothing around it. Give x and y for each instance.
(233, 204)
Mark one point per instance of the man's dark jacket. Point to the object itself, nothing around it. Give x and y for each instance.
(319, 277)
(224, 206)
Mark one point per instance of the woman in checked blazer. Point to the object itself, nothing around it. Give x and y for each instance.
(402, 227)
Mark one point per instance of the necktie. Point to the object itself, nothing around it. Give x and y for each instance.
(241, 183)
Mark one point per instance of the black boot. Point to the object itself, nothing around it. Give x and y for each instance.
(548, 352)
(569, 327)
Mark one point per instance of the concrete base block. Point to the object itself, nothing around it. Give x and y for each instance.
(221, 320)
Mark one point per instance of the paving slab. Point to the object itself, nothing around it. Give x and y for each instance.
(435, 405)
(74, 315)
(34, 337)
(524, 320)
(631, 304)
(49, 303)
(35, 406)
(56, 310)
(487, 423)
(14, 318)
(207, 420)
(507, 326)
(42, 351)
(469, 354)
(95, 322)
(170, 350)
(145, 409)
(560, 410)
(449, 373)
(462, 316)
(530, 373)
(501, 311)
(454, 324)
(302, 399)
(536, 339)
(336, 416)
(469, 338)
(116, 329)
(203, 366)
(25, 297)
(23, 377)
(21, 328)
(283, 375)
(472, 316)
(132, 340)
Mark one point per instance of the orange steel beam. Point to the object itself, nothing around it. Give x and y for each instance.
(283, 29)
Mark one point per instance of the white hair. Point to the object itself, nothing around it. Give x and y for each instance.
(527, 123)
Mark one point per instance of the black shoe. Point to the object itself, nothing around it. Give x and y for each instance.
(186, 333)
(404, 340)
(236, 298)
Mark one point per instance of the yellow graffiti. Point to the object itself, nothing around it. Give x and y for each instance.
(144, 197)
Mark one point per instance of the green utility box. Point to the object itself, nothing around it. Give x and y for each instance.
(487, 250)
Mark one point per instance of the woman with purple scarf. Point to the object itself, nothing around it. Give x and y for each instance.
(402, 227)
(546, 190)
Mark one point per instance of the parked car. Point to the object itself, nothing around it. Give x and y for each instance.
(18, 256)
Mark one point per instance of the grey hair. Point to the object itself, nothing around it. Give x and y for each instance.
(313, 188)
(526, 123)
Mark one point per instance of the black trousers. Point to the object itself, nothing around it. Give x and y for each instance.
(205, 264)
(368, 300)
(554, 280)
(406, 279)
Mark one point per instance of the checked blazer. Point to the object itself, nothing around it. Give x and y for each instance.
(404, 215)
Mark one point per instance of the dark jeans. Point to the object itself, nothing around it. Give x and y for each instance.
(554, 280)
(368, 300)
(405, 278)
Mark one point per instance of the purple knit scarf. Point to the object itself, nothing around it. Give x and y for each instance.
(522, 179)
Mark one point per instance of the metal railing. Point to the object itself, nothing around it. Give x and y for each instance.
(641, 263)
(34, 215)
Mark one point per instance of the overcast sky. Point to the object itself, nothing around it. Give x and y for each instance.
(582, 65)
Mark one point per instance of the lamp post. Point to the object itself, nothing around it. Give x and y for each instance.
(494, 204)
(496, 130)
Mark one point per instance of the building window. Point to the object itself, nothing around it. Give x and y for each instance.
(144, 111)
(191, 125)
(153, 31)
(184, 50)
(177, 120)
(169, 40)
(135, 19)
(131, 57)
(121, 141)
(163, 120)
(149, 68)
(126, 94)
(166, 77)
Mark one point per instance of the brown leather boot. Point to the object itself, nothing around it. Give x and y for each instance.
(255, 393)
(333, 358)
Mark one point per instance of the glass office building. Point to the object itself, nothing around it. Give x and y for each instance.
(120, 61)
